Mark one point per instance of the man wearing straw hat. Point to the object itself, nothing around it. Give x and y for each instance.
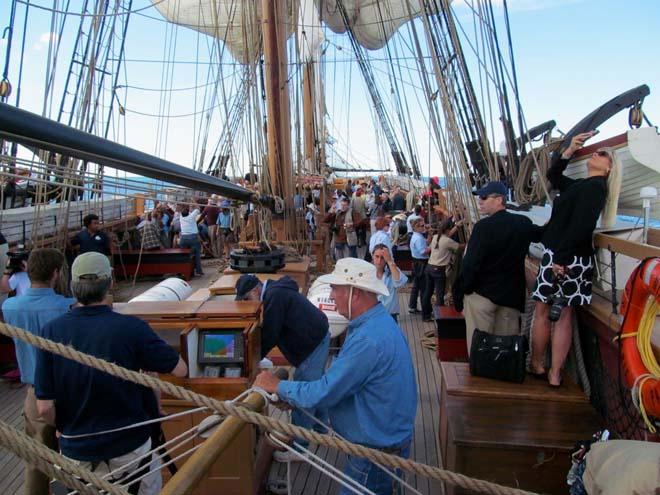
(370, 390)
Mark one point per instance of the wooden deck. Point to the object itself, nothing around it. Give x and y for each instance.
(425, 448)
(305, 479)
(12, 396)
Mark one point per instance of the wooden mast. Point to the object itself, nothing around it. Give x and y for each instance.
(274, 18)
(311, 155)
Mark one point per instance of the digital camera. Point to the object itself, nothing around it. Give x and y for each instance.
(16, 259)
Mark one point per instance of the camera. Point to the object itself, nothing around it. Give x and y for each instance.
(557, 303)
(557, 300)
(16, 259)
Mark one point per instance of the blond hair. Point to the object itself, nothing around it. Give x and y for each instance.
(608, 215)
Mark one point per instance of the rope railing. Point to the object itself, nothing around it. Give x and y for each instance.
(228, 408)
(53, 464)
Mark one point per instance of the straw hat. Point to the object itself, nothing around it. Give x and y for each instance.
(357, 273)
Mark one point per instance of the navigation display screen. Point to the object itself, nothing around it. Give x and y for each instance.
(219, 346)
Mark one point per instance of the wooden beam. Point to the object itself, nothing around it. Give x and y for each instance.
(634, 249)
(185, 481)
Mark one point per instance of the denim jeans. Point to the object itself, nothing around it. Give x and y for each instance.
(367, 474)
(419, 286)
(435, 282)
(192, 241)
(340, 250)
(311, 369)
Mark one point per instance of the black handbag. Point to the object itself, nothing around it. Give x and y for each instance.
(502, 357)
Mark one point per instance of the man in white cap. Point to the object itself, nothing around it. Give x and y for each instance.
(93, 411)
(370, 390)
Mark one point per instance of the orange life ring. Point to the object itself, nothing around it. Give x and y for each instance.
(643, 283)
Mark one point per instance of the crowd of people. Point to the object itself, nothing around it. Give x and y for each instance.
(368, 394)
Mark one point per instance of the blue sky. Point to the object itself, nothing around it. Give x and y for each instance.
(571, 56)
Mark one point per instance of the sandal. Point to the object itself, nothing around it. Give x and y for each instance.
(539, 376)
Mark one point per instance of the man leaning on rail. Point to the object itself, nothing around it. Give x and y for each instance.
(93, 411)
(30, 311)
(370, 390)
(297, 327)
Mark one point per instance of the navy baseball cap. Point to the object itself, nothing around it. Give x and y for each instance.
(492, 188)
(245, 284)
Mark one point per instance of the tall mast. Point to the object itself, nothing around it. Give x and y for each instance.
(311, 158)
(274, 18)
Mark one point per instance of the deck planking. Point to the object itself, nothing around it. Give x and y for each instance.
(425, 448)
(11, 409)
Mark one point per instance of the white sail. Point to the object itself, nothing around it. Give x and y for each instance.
(373, 22)
(238, 22)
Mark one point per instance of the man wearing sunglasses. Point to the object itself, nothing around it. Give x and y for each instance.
(493, 269)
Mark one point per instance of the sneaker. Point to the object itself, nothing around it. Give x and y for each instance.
(278, 487)
(413, 311)
(285, 456)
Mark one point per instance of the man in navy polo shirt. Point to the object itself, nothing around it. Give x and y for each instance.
(92, 238)
(30, 311)
(85, 403)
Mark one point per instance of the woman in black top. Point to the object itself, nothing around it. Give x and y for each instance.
(567, 266)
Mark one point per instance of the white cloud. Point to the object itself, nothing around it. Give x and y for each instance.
(44, 40)
(46, 37)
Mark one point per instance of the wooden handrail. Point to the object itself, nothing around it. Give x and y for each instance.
(634, 249)
(185, 481)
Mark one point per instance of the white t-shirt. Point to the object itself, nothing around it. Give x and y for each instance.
(20, 282)
(189, 223)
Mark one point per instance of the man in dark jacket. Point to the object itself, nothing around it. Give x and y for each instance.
(293, 324)
(493, 268)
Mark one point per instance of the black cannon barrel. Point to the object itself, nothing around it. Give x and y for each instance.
(29, 129)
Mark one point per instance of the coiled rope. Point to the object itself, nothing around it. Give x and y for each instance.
(530, 184)
(228, 408)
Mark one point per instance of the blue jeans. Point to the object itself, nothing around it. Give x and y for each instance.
(367, 474)
(311, 369)
(192, 241)
(341, 253)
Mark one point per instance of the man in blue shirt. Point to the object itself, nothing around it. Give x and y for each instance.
(419, 250)
(92, 238)
(370, 389)
(31, 311)
(93, 411)
(226, 234)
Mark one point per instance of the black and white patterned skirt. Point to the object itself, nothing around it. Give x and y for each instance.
(576, 287)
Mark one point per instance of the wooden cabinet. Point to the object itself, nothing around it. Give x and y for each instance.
(233, 473)
(519, 435)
